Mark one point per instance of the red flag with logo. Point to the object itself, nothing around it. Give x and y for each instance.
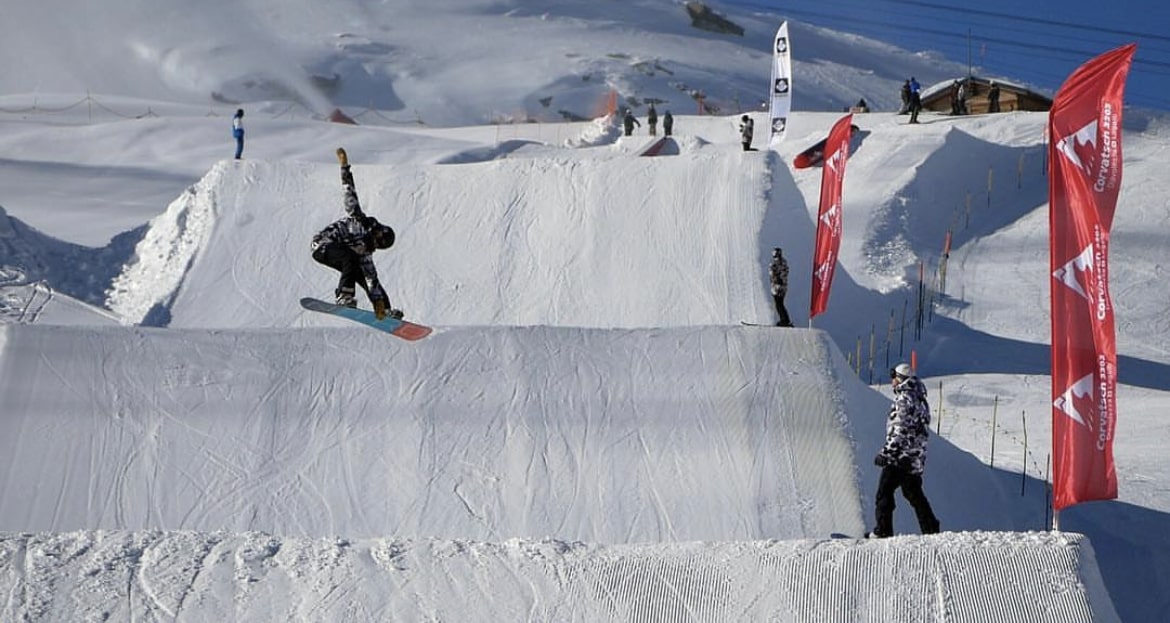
(1084, 179)
(829, 216)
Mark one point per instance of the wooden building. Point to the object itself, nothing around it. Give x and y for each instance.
(1012, 97)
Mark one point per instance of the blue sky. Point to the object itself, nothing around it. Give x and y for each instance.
(1035, 42)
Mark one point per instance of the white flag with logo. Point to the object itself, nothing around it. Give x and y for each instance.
(781, 86)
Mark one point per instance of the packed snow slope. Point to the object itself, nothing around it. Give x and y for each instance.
(589, 381)
(488, 433)
(191, 576)
(588, 345)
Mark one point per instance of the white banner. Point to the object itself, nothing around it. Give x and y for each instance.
(781, 87)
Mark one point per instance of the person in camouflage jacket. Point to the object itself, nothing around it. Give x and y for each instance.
(347, 246)
(903, 456)
(778, 275)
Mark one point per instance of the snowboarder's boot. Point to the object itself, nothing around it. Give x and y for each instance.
(345, 297)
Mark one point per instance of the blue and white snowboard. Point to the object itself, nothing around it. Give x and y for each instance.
(400, 328)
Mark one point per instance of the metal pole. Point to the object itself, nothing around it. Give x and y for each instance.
(1048, 491)
(994, 415)
(938, 422)
(1024, 471)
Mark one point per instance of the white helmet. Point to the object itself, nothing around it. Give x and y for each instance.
(902, 370)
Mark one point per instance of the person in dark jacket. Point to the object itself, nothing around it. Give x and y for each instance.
(905, 109)
(778, 274)
(747, 128)
(629, 121)
(993, 98)
(915, 100)
(347, 246)
(903, 456)
(667, 123)
(652, 120)
(238, 132)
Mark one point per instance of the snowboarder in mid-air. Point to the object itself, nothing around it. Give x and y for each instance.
(348, 246)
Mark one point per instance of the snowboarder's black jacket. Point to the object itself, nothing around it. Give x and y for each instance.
(358, 232)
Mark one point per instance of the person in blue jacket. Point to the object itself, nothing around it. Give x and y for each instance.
(915, 99)
(238, 132)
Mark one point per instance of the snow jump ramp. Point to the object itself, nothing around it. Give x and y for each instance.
(483, 474)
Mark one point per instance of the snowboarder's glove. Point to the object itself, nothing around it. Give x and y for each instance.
(881, 460)
(341, 157)
(380, 309)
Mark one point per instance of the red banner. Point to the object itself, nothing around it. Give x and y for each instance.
(829, 217)
(1084, 180)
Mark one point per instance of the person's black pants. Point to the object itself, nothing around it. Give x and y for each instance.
(342, 258)
(891, 480)
(785, 321)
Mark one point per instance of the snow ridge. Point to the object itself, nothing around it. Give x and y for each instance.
(143, 292)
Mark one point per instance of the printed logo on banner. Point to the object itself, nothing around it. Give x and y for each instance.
(1080, 147)
(1080, 392)
(1098, 161)
(832, 219)
(781, 45)
(824, 269)
(778, 124)
(1075, 273)
(781, 86)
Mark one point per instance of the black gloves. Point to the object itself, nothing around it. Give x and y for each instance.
(881, 460)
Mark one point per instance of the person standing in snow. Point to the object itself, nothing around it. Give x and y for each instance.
(238, 132)
(348, 246)
(629, 121)
(993, 98)
(747, 127)
(667, 123)
(915, 100)
(903, 456)
(778, 273)
(905, 109)
(652, 120)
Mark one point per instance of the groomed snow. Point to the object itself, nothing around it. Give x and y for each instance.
(590, 434)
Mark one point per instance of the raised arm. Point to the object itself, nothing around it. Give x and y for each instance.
(352, 206)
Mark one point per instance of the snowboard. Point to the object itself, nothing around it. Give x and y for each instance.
(399, 328)
(815, 156)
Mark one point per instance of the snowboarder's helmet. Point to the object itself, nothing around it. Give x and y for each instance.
(902, 370)
(776, 252)
(744, 118)
(383, 236)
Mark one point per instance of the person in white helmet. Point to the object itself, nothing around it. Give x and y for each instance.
(778, 274)
(903, 456)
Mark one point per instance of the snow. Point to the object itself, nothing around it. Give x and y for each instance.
(590, 434)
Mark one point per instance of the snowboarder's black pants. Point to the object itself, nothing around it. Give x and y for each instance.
(891, 479)
(342, 258)
(785, 321)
